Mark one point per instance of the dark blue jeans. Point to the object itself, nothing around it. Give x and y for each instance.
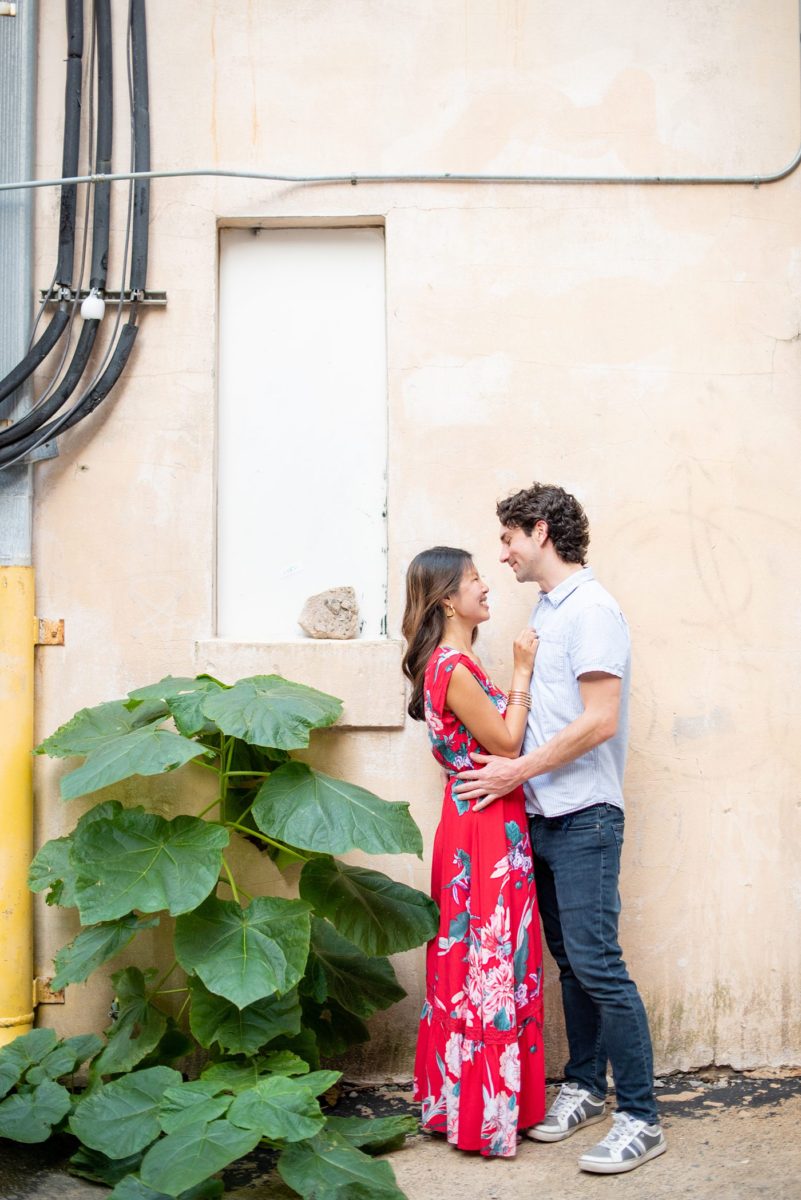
(577, 864)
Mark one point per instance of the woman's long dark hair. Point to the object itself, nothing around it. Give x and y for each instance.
(432, 575)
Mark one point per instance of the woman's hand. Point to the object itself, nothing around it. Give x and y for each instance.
(525, 650)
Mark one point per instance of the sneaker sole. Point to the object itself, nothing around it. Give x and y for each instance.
(545, 1135)
(616, 1168)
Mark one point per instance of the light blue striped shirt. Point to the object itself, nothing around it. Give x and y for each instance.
(580, 629)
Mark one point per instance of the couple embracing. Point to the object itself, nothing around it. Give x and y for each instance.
(523, 837)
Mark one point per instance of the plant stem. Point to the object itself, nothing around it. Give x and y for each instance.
(209, 807)
(207, 766)
(231, 882)
(246, 811)
(163, 980)
(171, 991)
(263, 838)
(242, 892)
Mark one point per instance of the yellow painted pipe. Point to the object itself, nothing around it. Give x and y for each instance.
(16, 800)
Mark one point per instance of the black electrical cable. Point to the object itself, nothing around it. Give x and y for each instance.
(44, 409)
(69, 198)
(141, 121)
(86, 405)
(100, 387)
(37, 353)
(107, 380)
(54, 381)
(105, 126)
(72, 142)
(36, 418)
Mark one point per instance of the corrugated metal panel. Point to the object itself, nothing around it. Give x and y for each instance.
(17, 126)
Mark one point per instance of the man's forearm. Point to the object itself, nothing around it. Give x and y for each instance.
(579, 737)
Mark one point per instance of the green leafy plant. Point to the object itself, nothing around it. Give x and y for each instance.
(267, 986)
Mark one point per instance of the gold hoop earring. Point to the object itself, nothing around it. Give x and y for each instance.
(452, 612)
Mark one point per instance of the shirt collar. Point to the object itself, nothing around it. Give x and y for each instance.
(567, 586)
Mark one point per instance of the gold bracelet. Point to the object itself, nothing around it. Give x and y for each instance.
(521, 698)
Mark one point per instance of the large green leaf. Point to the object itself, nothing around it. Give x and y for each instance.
(189, 1103)
(315, 812)
(132, 1188)
(183, 1159)
(284, 1062)
(245, 954)
(24, 1052)
(84, 1045)
(64, 1058)
(136, 859)
(92, 728)
(184, 697)
(278, 1108)
(233, 1074)
(334, 1028)
(93, 946)
(270, 711)
(91, 1164)
(374, 912)
(51, 868)
(241, 1030)
(327, 1167)
(171, 685)
(376, 1134)
(147, 751)
(138, 1029)
(319, 1082)
(30, 1116)
(173, 1044)
(360, 984)
(303, 1044)
(237, 1076)
(121, 1117)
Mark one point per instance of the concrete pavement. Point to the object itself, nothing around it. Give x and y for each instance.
(731, 1136)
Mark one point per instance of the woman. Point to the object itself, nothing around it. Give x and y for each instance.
(479, 1070)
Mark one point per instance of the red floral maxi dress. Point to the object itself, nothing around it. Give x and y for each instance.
(479, 1069)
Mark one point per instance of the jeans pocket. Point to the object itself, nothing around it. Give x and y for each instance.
(612, 831)
(583, 820)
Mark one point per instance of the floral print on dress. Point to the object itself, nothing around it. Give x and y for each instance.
(479, 1070)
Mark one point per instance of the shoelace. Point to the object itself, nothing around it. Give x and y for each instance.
(565, 1102)
(623, 1127)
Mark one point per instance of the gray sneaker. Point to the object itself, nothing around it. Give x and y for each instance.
(572, 1109)
(627, 1145)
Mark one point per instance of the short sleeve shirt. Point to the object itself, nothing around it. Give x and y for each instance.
(580, 629)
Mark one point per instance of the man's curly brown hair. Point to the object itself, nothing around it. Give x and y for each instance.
(568, 527)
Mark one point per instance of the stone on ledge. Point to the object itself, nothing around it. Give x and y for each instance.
(331, 614)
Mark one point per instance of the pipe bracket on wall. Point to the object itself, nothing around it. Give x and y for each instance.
(43, 992)
(150, 299)
(48, 633)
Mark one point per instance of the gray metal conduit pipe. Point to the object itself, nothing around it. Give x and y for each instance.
(39, 351)
(101, 387)
(355, 177)
(34, 420)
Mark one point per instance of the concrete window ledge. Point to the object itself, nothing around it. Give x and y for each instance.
(366, 675)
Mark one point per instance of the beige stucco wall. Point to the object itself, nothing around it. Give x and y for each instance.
(638, 344)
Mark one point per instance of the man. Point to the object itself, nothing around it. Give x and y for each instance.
(572, 771)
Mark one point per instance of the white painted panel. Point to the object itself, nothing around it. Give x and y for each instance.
(302, 426)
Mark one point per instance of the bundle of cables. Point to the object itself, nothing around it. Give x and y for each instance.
(50, 414)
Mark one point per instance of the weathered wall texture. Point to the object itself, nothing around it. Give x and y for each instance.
(638, 344)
